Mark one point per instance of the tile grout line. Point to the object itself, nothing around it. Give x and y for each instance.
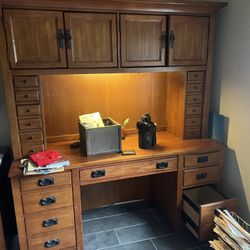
(156, 217)
(153, 244)
(117, 237)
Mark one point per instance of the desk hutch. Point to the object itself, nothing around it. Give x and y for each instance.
(123, 58)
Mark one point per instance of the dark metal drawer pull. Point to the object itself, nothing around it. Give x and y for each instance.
(161, 165)
(202, 159)
(60, 37)
(48, 201)
(68, 39)
(46, 182)
(97, 173)
(171, 39)
(164, 39)
(51, 243)
(50, 222)
(201, 176)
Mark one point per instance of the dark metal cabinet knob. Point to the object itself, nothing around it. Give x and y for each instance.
(161, 165)
(51, 243)
(202, 159)
(48, 201)
(164, 39)
(50, 222)
(46, 182)
(201, 176)
(98, 173)
(171, 39)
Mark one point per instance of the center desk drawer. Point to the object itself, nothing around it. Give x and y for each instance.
(47, 199)
(127, 170)
(200, 160)
(48, 221)
(45, 181)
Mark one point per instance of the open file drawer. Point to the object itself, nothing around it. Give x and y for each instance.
(198, 210)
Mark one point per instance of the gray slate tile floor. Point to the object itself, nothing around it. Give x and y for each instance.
(134, 226)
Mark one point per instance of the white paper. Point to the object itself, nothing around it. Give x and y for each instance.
(93, 120)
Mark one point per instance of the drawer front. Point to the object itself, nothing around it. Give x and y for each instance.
(45, 181)
(55, 240)
(194, 99)
(26, 124)
(27, 96)
(47, 199)
(202, 159)
(122, 171)
(28, 149)
(192, 133)
(200, 176)
(28, 110)
(193, 110)
(193, 121)
(207, 210)
(49, 221)
(31, 137)
(194, 87)
(196, 76)
(25, 81)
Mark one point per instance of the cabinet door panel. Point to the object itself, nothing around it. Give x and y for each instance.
(94, 40)
(33, 39)
(189, 40)
(142, 41)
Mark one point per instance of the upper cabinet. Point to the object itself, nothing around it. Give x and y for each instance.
(188, 40)
(143, 40)
(35, 39)
(91, 40)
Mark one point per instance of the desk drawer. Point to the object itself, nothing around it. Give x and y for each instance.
(31, 137)
(55, 240)
(28, 149)
(198, 160)
(28, 110)
(25, 81)
(198, 208)
(201, 176)
(196, 76)
(27, 95)
(27, 124)
(47, 199)
(194, 110)
(49, 221)
(194, 87)
(123, 171)
(193, 121)
(194, 99)
(45, 181)
(192, 133)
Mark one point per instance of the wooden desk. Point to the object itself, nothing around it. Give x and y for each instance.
(180, 163)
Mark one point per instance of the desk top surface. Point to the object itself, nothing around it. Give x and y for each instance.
(167, 145)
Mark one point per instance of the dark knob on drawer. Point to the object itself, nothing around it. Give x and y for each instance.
(202, 159)
(51, 243)
(196, 75)
(161, 165)
(46, 182)
(48, 201)
(50, 222)
(194, 110)
(195, 99)
(193, 122)
(97, 173)
(26, 96)
(28, 124)
(24, 81)
(28, 110)
(201, 176)
(30, 137)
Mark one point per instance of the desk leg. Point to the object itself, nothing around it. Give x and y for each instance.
(77, 208)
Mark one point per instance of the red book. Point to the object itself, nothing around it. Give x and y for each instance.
(46, 157)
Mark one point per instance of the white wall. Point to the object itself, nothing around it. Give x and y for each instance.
(231, 96)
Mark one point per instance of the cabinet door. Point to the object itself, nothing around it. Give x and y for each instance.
(143, 40)
(188, 40)
(91, 40)
(34, 39)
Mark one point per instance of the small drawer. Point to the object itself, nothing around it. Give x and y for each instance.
(193, 121)
(201, 176)
(25, 124)
(190, 133)
(25, 81)
(45, 181)
(28, 110)
(194, 99)
(49, 221)
(196, 76)
(194, 87)
(193, 110)
(201, 160)
(198, 210)
(44, 200)
(54, 240)
(125, 170)
(28, 149)
(27, 96)
(31, 137)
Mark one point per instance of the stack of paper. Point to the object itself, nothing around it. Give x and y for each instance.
(93, 120)
(231, 235)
